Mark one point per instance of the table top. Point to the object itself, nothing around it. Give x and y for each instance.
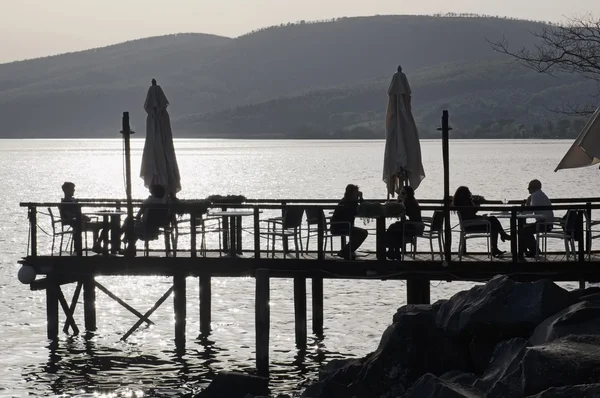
(106, 213)
(506, 214)
(232, 213)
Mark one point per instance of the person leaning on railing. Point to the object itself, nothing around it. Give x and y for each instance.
(342, 222)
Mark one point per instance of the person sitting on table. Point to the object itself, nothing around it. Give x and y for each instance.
(402, 232)
(69, 210)
(342, 222)
(148, 220)
(537, 197)
(463, 198)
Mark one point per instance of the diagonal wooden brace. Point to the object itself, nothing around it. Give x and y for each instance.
(72, 307)
(147, 314)
(65, 306)
(124, 304)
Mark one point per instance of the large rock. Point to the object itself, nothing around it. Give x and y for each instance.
(235, 385)
(580, 318)
(571, 360)
(409, 348)
(431, 386)
(503, 376)
(499, 310)
(580, 391)
(582, 294)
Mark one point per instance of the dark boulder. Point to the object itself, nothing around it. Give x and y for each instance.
(431, 386)
(503, 377)
(580, 294)
(331, 367)
(459, 377)
(570, 360)
(409, 348)
(499, 310)
(235, 385)
(580, 391)
(580, 318)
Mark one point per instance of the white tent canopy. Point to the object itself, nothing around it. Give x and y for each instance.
(585, 151)
(402, 157)
(159, 163)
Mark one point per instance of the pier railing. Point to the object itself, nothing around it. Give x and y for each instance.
(253, 224)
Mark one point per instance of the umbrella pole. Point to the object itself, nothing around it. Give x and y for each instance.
(445, 155)
(130, 225)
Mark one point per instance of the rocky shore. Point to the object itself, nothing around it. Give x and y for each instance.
(501, 339)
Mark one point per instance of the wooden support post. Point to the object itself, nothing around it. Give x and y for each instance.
(320, 240)
(514, 236)
(300, 311)
(257, 233)
(52, 308)
(262, 322)
(380, 238)
(317, 306)
(446, 161)
(580, 233)
(417, 291)
(77, 232)
(179, 296)
(193, 227)
(89, 303)
(205, 305)
(33, 230)
(126, 131)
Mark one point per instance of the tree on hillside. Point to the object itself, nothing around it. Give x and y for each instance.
(572, 48)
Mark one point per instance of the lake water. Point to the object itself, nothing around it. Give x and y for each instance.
(356, 312)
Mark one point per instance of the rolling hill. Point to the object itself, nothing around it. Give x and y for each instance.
(324, 79)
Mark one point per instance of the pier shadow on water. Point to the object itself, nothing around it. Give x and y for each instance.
(90, 366)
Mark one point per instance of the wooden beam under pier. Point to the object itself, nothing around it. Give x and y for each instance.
(317, 306)
(300, 311)
(205, 304)
(179, 306)
(262, 322)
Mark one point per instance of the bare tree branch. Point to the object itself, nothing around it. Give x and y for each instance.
(572, 48)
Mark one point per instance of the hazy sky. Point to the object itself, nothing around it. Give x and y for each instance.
(34, 28)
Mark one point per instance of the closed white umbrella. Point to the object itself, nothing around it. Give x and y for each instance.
(159, 163)
(402, 158)
(585, 151)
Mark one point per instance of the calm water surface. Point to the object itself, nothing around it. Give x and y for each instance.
(356, 312)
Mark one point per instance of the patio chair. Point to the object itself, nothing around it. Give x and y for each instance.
(473, 229)
(563, 229)
(285, 227)
(591, 233)
(158, 221)
(434, 230)
(60, 229)
(204, 225)
(314, 216)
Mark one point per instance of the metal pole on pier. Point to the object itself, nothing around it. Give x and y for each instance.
(446, 159)
(126, 137)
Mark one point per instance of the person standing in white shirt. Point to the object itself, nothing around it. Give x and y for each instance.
(537, 197)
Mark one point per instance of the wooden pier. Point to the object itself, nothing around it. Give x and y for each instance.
(239, 245)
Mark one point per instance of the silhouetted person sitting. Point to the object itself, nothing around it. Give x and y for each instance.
(404, 231)
(463, 198)
(342, 222)
(69, 210)
(537, 197)
(148, 219)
